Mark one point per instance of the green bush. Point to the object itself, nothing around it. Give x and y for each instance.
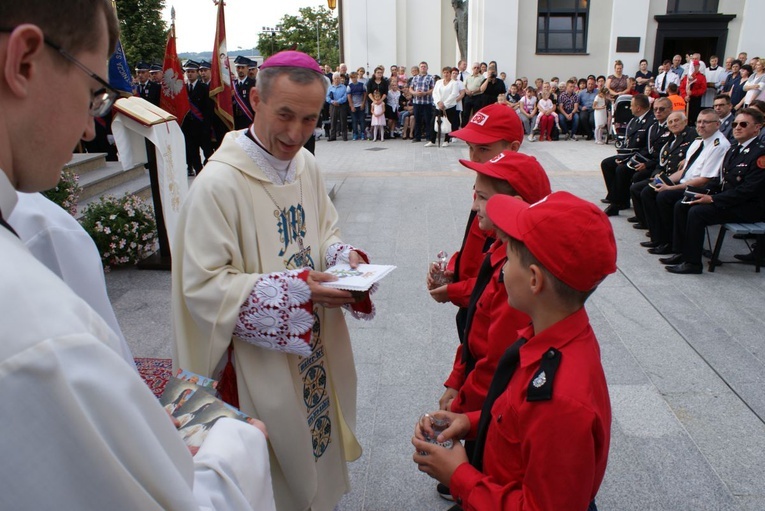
(123, 229)
(67, 191)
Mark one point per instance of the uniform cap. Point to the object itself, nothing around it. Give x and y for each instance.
(142, 66)
(572, 238)
(203, 64)
(155, 67)
(491, 124)
(291, 58)
(241, 61)
(521, 171)
(191, 64)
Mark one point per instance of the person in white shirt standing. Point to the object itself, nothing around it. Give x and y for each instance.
(80, 428)
(714, 74)
(446, 92)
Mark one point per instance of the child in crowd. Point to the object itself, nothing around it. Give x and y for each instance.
(391, 112)
(543, 434)
(528, 110)
(407, 116)
(357, 93)
(649, 91)
(547, 117)
(401, 77)
(601, 116)
(378, 116)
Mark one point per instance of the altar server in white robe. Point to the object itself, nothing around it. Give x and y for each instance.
(255, 233)
(80, 428)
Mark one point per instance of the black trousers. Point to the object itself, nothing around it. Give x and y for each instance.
(197, 137)
(423, 114)
(659, 212)
(637, 202)
(618, 178)
(587, 123)
(691, 222)
(338, 121)
(470, 105)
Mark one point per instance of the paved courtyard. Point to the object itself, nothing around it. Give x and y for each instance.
(683, 354)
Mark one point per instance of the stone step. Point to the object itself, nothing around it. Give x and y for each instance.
(140, 186)
(110, 175)
(84, 163)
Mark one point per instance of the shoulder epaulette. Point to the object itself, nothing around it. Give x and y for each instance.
(541, 384)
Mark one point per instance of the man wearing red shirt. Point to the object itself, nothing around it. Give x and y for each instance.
(693, 86)
(543, 435)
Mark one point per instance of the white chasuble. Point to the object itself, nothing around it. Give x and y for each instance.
(235, 226)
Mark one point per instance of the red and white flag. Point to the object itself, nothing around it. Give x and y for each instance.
(175, 98)
(221, 90)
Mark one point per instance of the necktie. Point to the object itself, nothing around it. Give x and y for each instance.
(462, 76)
(664, 83)
(483, 279)
(505, 369)
(693, 158)
(190, 88)
(5, 224)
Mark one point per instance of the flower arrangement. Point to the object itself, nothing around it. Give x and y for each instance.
(123, 229)
(67, 191)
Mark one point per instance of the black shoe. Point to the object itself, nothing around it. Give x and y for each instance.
(605, 201)
(612, 210)
(639, 226)
(675, 259)
(455, 507)
(685, 269)
(190, 173)
(649, 244)
(633, 220)
(662, 249)
(415, 140)
(444, 492)
(626, 206)
(749, 258)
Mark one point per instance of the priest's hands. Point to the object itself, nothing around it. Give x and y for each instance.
(354, 259)
(327, 296)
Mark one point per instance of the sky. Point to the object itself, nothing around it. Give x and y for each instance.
(195, 21)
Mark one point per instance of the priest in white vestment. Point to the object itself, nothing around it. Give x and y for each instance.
(255, 233)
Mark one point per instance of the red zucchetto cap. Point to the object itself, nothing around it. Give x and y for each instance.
(571, 237)
(292, 59)
(521, 171)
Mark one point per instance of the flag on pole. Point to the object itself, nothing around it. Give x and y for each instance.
(119, 71)
(175, 98)
(221, 90)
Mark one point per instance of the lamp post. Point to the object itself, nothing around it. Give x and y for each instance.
(272, 32)
(318, 43)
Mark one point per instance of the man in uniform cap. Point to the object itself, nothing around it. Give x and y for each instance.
(254, 235)
(145, 88)
(205, 72)
(196, 124)
(242, 84)
(155, 73)
(252, 72)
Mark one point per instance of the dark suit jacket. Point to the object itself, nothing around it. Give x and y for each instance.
(637, 132)
(675, 151)
(243, 91)
(151, 92)
(727, 130)
(658, 136)
(199, 97)
(743, 176)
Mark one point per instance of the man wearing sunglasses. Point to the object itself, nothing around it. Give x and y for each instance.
(80, 428)
(741, 197)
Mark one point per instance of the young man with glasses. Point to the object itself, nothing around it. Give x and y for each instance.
(79, 421)
(741, 196)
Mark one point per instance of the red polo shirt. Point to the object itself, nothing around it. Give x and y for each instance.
(545, 455)
(470, 262)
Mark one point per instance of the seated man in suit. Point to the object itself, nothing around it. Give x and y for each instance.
(616, 174)
(672, 155)
(724, 109)
(741, 197)
(701, 168)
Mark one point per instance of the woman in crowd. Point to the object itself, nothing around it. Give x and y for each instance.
(755, 83)
(737, 93)
(643, 76)
(617, 83)
(445, 95)
(378, 83)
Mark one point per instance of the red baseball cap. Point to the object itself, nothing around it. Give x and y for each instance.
(571, 237)
(491, 124)
(523, 172)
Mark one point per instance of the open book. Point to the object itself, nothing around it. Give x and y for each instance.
(142, 111)
(359, 279)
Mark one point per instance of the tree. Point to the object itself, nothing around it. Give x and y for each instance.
(300, 31)
(144, 33)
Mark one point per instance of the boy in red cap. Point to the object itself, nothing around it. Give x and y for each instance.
(543, 434)
(491, 130)
(489, 317)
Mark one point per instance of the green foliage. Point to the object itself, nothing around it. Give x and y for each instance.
(67, 191)
(144, 33)
(123, 229)
(300, 30)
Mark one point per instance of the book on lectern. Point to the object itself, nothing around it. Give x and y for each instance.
(142, 111)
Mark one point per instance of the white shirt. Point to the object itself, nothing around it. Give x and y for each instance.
(671, 78)
(446, 93)
(709, 162)
(80, 428)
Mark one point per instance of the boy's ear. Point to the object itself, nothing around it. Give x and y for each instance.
(537, 281)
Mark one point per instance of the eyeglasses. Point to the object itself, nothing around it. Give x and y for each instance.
(659, 108)
(743, 124)
(103, 98)
(701, 121)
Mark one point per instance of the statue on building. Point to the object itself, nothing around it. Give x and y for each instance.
(461, 25)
